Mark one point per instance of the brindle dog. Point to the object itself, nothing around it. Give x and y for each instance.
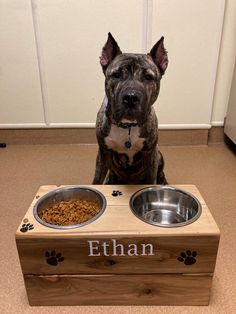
(126, 127)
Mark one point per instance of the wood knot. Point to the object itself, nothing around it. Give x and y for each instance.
(147, 291)
(109, 262)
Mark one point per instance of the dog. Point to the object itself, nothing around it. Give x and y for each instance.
(126, 125)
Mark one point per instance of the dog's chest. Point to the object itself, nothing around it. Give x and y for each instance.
(119, 138)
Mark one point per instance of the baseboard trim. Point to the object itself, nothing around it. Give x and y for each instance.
(87, 135)
(217, 123)
(216, 135)
(183, 137)
(91, 125)
(201, 126)
(48, 136)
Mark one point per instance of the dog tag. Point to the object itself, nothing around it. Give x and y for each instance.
(128, 144)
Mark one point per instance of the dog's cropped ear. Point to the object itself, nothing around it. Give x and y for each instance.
(159, 55)
(109, 52)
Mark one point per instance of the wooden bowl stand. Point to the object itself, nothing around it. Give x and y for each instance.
(118, 259)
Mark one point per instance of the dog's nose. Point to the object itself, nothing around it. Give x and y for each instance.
(130, 98)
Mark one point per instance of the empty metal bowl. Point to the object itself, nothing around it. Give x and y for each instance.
(165, 206)
(65, 194)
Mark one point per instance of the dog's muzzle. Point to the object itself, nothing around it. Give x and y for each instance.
(128, 105)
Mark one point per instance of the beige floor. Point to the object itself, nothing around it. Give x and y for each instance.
(24, 168)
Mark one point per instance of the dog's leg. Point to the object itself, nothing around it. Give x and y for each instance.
(161, 179)
(101, 168)
(111, 178)
(151, 166)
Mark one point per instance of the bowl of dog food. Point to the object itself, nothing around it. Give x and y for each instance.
(69, 207)
(165, 206)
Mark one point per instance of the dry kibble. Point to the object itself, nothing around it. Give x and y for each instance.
(70, 212)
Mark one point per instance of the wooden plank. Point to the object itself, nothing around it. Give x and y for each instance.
(119, 289)
(118, 218)
(116, 255)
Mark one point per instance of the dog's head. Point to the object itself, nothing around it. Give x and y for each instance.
(132, 81)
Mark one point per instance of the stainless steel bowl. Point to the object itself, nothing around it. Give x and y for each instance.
(165, 206)
(69, 193)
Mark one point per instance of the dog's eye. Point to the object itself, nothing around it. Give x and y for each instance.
(116, 75)
(149, 77)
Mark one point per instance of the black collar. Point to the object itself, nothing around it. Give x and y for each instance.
(124, 125)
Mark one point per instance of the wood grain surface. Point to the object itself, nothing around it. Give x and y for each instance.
(165, 258)
(118, 218)
(119, 289)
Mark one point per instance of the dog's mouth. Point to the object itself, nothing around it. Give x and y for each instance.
(127, 120)
(122, 114)
(127, 116)
(130, 119)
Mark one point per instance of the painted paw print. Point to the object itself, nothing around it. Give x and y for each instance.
(26, 227)
(188, 257)
(53, 258)
(116, 193)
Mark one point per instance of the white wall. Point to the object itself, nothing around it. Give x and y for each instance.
(71, 37)
(20, 93)
(50, 72)
(193, 30)
(225, 65)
